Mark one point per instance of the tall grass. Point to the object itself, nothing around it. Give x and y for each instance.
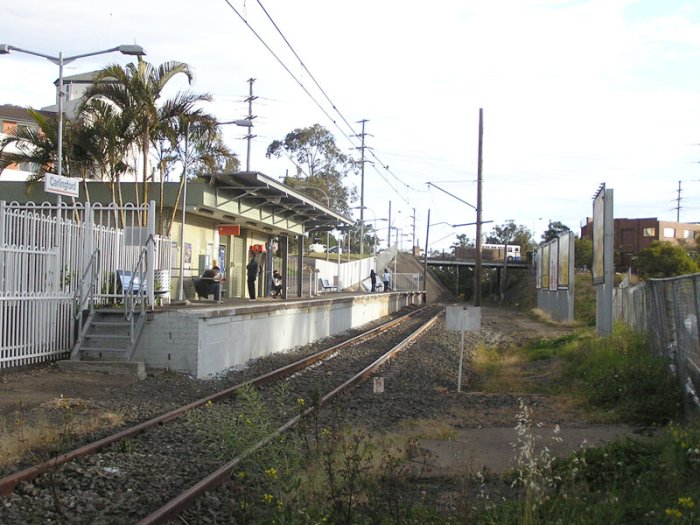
(620, 376)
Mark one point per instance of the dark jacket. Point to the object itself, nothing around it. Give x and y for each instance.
(252, 270)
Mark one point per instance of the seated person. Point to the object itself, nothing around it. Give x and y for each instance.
(210, 283)
(276, 284)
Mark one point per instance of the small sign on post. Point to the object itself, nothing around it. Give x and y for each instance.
(462, 319)
(70, 187)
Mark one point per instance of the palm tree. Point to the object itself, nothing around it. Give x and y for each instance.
(197, 141)
(105, 135)
(136, 89)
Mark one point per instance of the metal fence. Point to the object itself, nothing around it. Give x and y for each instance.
(668, 310)
(44, 251)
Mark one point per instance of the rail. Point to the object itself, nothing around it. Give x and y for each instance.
(85, 295)
(8, 483)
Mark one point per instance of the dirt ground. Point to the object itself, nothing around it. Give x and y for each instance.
(485, 441)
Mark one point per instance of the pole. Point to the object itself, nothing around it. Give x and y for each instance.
(461, 354)
(59, 139)
(477, 269)
(678, 203)
(388, 230)
(181, 285)
(362, 190)
(425, 259)
(249, 136)
(413, 241)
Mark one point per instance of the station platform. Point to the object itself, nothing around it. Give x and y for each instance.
(203, 339)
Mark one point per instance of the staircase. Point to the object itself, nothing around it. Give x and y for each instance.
(109, 336)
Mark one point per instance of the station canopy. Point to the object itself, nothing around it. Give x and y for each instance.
(286, 202)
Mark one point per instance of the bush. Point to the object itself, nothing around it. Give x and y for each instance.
(621, 375)
(663, 259)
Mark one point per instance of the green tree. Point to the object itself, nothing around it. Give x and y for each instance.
(554, 230)
(663, 259)
(319, 163)
(511, 233)
(583, 253)
(136, 90)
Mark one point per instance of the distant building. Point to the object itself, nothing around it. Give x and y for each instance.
(633, 235)
(12, 117)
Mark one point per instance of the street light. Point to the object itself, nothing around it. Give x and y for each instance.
(60, 60)
(181, 285)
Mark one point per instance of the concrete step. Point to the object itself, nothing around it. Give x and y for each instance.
(135, 369)
(93, 335)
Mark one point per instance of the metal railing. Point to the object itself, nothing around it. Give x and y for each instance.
(84, 299)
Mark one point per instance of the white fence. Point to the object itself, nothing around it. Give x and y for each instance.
(43, 254)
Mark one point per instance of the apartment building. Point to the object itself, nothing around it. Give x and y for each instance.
(633, 235)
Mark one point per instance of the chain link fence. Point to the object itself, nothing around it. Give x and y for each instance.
(668, 310)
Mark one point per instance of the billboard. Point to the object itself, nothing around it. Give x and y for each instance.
(563, 270)
(598, 235)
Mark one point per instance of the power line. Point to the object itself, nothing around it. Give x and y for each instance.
(335, 108)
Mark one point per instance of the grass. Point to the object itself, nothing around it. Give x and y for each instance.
(64, 420)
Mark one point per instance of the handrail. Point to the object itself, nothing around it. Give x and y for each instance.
(129, 302)
(79, 299)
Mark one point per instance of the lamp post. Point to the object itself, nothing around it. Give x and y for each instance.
(181, 284)
(60, 60)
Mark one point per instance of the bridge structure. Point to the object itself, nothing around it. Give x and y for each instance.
(450, 261)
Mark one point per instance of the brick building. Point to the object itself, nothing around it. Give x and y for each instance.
(633, 235)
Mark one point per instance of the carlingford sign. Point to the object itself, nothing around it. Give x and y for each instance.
(67, 186)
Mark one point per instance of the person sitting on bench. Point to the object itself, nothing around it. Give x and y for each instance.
(276, 284)
(210, 283)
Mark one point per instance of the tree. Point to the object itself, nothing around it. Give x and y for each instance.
(554, 230)
(583, 253)
(319, 163)
(510, 233)
(461, 242)
(136, 89)
(663, 259)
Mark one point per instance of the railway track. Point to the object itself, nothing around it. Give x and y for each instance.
(127, 474)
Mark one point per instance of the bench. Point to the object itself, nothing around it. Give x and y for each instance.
(202, 286)
(326, 286)
(124, 277)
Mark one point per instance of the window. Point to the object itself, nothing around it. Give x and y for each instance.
(669, 233)
(649, 232)
(689, 234)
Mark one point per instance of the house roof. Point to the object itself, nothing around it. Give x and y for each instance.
(17, 113)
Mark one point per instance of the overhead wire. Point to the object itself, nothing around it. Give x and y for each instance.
(316, 102)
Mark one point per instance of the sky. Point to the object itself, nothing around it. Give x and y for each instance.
(574, 94)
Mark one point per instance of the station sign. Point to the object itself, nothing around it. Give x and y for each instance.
(229, 229)
(70, 187)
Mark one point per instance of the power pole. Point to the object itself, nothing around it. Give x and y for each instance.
(413, 246)
(362, 187)
(388, 230)
(477, 269)
(250, 117)
(678, 203)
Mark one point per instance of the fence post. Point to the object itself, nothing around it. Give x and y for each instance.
(150, 253)
(2, 242)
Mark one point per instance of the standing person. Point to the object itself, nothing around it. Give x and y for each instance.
(252, 269)
(386, 278)
(373, 279)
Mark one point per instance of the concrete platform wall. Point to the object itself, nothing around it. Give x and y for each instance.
(203, 342)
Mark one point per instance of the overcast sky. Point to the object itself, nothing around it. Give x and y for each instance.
(574, 93)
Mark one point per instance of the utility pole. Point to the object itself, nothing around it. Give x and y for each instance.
(362, 187)
(388, 230)
(250, 118)
(425, 259)
(477, 269)
(413, 245)
(678, 203)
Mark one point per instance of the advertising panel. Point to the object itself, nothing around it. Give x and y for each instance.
(563, 270)
(553, 266)
(598, 235)
(545, 267)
